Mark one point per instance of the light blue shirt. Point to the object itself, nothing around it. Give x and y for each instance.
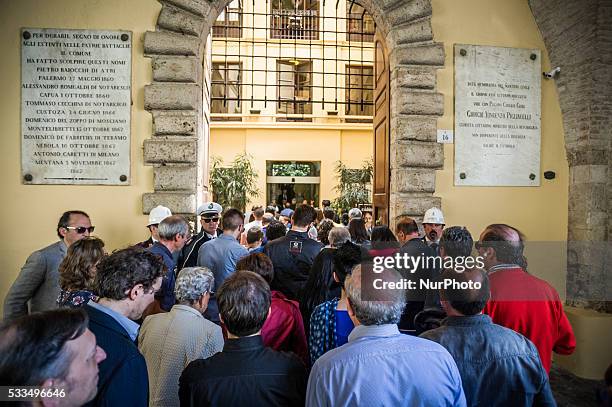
(379, 366)
(220, 255)
(130, 326)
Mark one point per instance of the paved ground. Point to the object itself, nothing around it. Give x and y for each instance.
(572, 391)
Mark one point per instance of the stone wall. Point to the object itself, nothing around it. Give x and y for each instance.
(177, 149)
(578, 37)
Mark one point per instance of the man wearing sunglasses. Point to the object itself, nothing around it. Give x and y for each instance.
(209, 213)
(38, 281)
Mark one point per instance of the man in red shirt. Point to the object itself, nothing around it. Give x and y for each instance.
(520, 301)
(284, 328)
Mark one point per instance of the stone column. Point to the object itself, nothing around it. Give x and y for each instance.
(578, 37)
(177, 149)
(415, 106)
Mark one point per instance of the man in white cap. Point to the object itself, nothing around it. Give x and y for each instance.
(433, 224)
(156, 215)
(209, 213)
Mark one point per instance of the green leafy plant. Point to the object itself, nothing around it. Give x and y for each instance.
(354, 185)
(233, 186)
(291, 169)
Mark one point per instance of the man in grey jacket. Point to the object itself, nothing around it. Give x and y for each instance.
(38, 281)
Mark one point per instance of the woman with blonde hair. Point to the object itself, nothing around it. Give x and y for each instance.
(77, 272)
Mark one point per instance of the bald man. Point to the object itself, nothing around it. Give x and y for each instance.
(520, 301)
(497, 365)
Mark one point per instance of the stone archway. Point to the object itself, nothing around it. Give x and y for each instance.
(578, 39)
(177, 148)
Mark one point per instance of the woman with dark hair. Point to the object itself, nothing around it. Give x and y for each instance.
(344, 219)
(323, 231)
(320, 286)
(359, 234)
(330, 324)
(384, 242)
(77, 272)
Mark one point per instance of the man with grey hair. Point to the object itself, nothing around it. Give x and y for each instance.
(169, 341)
(354, 213)
(338, 235)
(173, 234)
(379, 365)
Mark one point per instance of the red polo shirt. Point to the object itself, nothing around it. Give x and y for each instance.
(530, 306)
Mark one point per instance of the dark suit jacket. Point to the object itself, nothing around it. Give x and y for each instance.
(415, 298)
(245, 374)
(123, 374)
(292, 256)
(37, 283)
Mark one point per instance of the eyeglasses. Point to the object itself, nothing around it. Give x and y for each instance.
(208, 220)
(81, 229)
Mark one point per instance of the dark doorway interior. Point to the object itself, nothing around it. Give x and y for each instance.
(292, 193)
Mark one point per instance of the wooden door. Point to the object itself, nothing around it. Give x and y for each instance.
(382, 171)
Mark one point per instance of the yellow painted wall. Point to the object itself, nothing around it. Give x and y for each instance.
(29, 212)
(539, 212)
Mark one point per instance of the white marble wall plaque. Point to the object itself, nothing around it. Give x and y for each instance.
(497, 116)
(75, 106)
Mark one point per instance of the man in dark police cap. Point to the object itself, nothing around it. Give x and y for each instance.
(209, 213)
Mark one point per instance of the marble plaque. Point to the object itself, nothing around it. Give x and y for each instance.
(497, 116)
(75, 106)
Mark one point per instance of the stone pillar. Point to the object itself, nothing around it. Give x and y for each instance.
(578, 38)
(177, 149)
(415, 106)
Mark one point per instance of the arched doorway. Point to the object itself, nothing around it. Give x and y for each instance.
(178, 148)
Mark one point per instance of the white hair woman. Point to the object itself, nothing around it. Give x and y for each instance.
(169, 341)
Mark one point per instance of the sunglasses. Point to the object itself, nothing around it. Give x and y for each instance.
(208, 220)
(81, 229)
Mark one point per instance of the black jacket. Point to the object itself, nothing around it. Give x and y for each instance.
(320, 286)
(415, 248)
(123, 378)
(245, 374)
(189, 253)
(292, 256)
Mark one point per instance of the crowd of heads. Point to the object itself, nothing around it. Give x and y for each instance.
(62, 349)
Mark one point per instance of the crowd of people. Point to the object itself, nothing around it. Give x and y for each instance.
(275, 308)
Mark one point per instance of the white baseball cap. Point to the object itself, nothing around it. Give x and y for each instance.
(158, 214)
